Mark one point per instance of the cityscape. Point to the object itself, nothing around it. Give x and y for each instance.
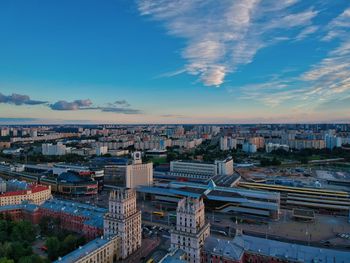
(175, 131)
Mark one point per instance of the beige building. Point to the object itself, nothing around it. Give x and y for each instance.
(36, 194)
(258, 141)
(130, 175)
(99, 250)
(139, 174)
(124, 221)
(191, 228)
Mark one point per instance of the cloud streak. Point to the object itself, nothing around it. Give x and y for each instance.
(221, 37)
(119, 106)
(19, 99)
(325, 84)
(74, 105)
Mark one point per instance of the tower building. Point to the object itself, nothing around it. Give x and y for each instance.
(191, 228)
(124, 220)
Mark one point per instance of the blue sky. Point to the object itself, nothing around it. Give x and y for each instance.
(167, 61)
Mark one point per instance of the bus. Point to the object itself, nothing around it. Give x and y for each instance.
(158, 213)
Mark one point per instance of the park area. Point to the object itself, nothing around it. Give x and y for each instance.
(23, 242)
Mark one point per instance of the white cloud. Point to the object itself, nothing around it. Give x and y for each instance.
(326, 81)
(222, 36)
(306, 32)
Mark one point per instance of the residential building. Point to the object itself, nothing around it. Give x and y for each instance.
(249, 147)
(269, 147)
(124, 220)
(51, 149)
(223, 143)
(332, 141)
(99, 250)
(101, 150)
(191, 228)
(34, 193)
(258, 141)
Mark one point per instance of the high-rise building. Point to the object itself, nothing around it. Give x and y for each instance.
(249, 147)
(50, 149)
(332, 141)
(124, 220)
(123, 173)
(223, 143)
(191, 228)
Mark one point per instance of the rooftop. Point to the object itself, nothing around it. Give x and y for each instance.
(81, 252)
(300, 253)
(93, 214)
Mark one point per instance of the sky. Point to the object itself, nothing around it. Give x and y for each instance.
(174, 61)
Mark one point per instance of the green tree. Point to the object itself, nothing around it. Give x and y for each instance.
(6, 260)
(69, 243)
(20, 249)
(5, 249)
(53, 247)
(32, 259)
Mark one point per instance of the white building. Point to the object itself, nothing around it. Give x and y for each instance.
(101, 150)
(202, 169)
(249, 147)
(124, 220)
(332, 141)
(223, 143)
(275, 146)
(231, 143)
(191, 228)
(51, 149)
(224, 167)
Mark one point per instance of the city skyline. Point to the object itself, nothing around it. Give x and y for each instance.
(174, 62)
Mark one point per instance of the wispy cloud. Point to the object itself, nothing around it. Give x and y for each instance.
(123, 103)
(325, 83)
(221, 37)
(307, 31)
(74, 105)
(119, 106)
(19, 99)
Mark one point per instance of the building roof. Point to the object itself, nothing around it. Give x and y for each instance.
(93, 215)
(213, 192)
(83, 251)
(23, 206)
(70, 177)
(175, 256)
(35, 188)
(224, 248)
(296, 252)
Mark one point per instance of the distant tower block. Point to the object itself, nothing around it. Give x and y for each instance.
(137, 158)
(124, 220)
(191, 228)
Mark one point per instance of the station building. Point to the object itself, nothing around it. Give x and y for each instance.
(216, 198)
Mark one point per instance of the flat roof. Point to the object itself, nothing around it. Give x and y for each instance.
(93, 214)
(81, 252)
(283, 250)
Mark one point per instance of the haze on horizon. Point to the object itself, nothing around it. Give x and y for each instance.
(165, 61)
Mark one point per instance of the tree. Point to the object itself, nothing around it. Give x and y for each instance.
(53, 247)
(23, 230)
(6, 260)
(32, 259)
(69, 243)
(5, 249)
(20, 249)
